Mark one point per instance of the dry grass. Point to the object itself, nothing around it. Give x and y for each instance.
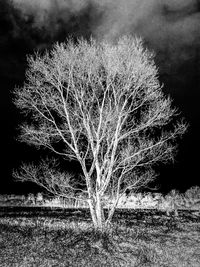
(46, 242)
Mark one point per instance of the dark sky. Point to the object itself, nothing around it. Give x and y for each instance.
(170, 27)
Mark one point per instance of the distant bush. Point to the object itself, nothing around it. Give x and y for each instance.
(173, 200)
(39, 198)
(193, 193)
(30, 199)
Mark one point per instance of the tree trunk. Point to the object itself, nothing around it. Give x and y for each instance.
(91, 203)
(97, 213)
(100, 213)
(111, 212)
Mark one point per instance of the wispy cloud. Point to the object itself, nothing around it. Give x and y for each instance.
(170, 27)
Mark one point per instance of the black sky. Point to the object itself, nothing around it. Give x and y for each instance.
(170, 27)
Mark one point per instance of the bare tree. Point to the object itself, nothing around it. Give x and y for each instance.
(102, 105)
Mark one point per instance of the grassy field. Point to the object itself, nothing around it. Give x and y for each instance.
(44, 241)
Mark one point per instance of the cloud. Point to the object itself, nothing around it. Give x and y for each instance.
(153, 19)
(46, 10)
(170, 27)
(167, 25)
(26, 26)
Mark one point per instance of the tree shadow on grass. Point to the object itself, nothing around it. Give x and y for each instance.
(115, 247)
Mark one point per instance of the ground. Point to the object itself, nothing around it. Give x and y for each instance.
(138, 238)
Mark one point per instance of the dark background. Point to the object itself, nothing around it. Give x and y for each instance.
(170, 27)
